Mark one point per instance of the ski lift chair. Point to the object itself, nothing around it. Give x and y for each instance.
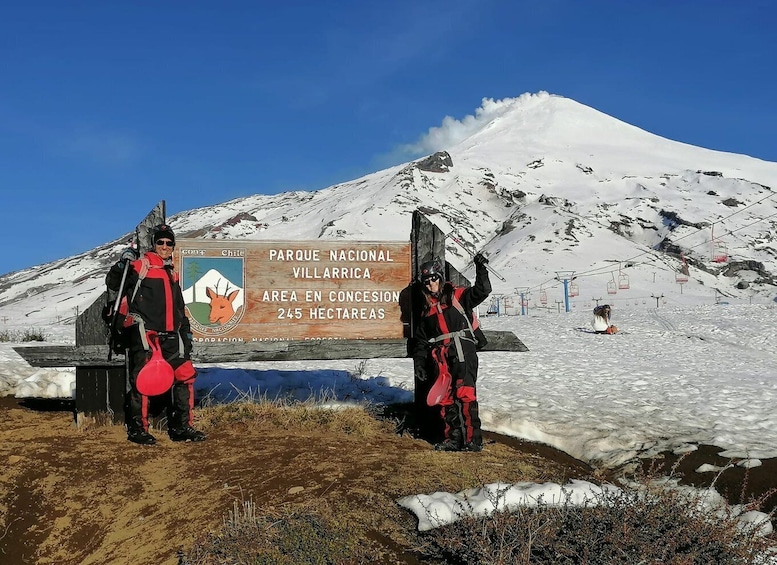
(719, 252)
(681, 276)
(574, 290)
(719, 248)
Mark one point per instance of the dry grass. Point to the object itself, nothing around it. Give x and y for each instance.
(649, 524)
(309, 415)
(22, 336)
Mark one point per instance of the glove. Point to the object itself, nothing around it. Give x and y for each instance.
(128, 254)
(420, 373)
(480, 260)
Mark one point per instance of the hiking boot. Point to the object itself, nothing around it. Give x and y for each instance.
(187, 434)
(141, 437)
(472, 446)
(448, 445)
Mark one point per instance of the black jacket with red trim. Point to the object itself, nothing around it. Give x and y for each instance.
(158, 301)
(468, 297)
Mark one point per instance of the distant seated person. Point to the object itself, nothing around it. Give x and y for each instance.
(601, 321)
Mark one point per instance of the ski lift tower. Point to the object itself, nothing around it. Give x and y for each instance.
(523, 294)
(566, 277)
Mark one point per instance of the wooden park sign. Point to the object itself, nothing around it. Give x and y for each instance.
(256, 291)
(270, 301)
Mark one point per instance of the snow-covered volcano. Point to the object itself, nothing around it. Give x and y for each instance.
(547, 187)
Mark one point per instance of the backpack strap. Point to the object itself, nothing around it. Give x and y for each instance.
(446, 335)
(145, 265)
(133, 318)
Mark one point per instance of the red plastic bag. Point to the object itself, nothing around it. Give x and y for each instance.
(156, 376)
(440, 393)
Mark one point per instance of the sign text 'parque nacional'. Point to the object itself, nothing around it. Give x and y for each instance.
(292, 290)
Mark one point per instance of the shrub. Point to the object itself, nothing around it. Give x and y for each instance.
(283, 538)
(29, 334)
(620, 526)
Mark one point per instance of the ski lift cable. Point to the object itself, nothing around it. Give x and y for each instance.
(711, 240)
(705, 242)
(606, 269)
(472, 254)
(726, 218)
(701, 229)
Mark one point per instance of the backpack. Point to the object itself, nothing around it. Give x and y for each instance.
(118, 320)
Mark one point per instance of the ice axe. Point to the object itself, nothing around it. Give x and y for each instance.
(451, 236)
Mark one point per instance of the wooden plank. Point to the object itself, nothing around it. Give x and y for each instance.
(503, 341)
(97, 355)
(99, 391)
(90, 327)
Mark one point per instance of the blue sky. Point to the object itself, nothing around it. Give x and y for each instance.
(108, 107)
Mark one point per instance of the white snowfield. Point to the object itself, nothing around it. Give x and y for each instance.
(674, 377)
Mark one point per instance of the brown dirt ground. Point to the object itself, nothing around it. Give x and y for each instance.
(87, 496)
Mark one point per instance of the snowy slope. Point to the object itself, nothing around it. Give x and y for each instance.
(544, 184)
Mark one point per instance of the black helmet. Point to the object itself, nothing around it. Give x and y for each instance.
(162, 230)
(431, 269)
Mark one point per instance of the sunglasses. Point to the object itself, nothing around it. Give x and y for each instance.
(430, 280)
(165, 242)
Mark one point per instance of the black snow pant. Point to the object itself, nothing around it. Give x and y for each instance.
(179, 401)
(460, 410)
(428, 420)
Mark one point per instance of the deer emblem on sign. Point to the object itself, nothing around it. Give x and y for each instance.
(221, 308)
